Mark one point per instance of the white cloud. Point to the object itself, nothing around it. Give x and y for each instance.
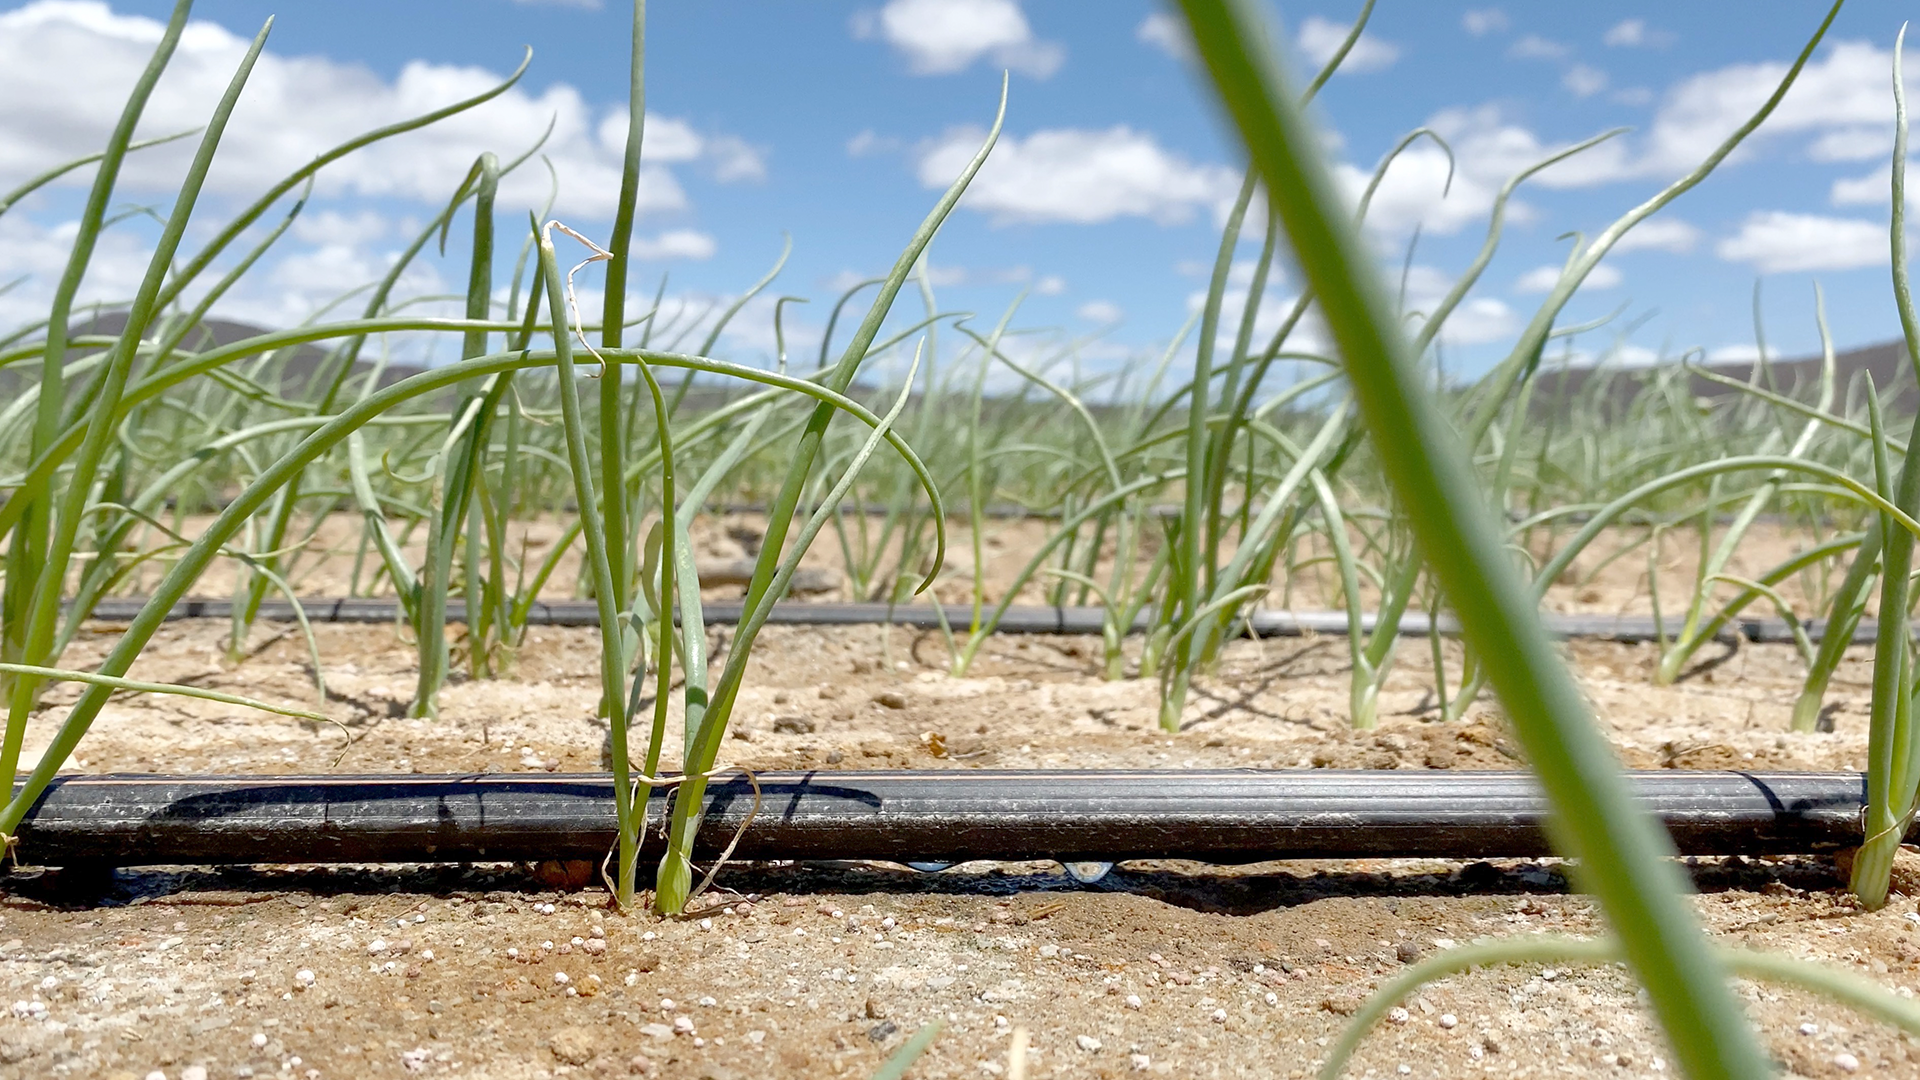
(1742, 353)
(1488, 149)
(1840, 100)
(675, 244)
(1535, 47)
(1635, 34)
(1543, 278)
(332, 226)
(940, 37)
(1483, 21)
(1659, 234)
(1584, 80)
(1166, 33)
(1050, 285)
(672, 141)
(732, 159)
(1776, 242)
(1103, 312)
(1873, 189)
(1321, 38)
(296, 107)
(1844, 89)
(1078, 176)
(869, 142)
(1853, 144)
(1478, 319)
(29, 248)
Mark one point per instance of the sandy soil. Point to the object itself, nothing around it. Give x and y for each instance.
(1614, 575)
(1162, 969)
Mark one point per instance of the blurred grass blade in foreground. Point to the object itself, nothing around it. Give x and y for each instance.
(1625, 860)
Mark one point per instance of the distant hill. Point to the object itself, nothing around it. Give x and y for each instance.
(1886, 363)
(303, 366)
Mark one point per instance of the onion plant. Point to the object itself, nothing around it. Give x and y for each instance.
(1893, 765)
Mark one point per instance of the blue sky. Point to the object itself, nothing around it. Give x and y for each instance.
(838, 124)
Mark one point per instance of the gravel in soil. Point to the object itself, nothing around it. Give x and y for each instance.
(1157, 969)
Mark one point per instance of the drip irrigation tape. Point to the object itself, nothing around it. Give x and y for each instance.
(1223, 816)
(1026, 619)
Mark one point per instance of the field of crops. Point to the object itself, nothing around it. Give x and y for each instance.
(153, 453)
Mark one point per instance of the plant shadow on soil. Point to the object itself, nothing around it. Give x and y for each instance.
(1220, 890)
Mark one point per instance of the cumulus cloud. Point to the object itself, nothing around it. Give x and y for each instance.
(1078, 176)
(1777, 242)
(1483, 21)
(675, 244)
(1320, 38)
(1853, 144)
(1844, 90)
(1635, 34)
(297, 107)
(1166, 33)
(1488, 149)
(1839, 103)
(870, 142)
(1543, 278)
(1478, 320)
(1103, 312)
(1873, 189)
(1584, 80)
(940, 37)
(1535, 47)
(1660, 234)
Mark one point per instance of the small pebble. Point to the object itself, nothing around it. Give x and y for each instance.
(1085, 1042)
(1133, 1001)
(156, 1075)
(377, 945)
(1141, 1063)
(1397, 1015)
(1449, 1021)
(259, 1039)
(683, 1025)
(194, 1072)
(594, 946)
(1219, 1016)
(303, 978)
(666, 1004)
(1846, 1062)
(1809, 1028)
(1273, 998)
(560, 978)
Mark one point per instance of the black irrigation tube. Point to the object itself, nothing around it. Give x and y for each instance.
(1218, 816)
(1024, 619)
